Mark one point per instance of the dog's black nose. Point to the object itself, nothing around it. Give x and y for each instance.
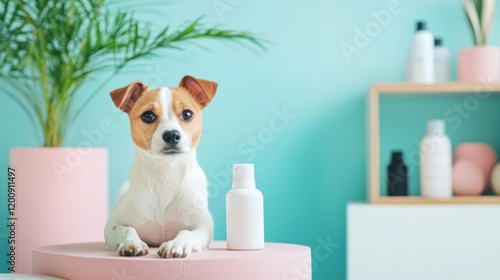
(171, 137)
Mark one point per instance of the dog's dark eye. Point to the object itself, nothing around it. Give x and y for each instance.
(187, 115)
(148, 117)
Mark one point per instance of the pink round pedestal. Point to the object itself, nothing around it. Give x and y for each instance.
(92, 261)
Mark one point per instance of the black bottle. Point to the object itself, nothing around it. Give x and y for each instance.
(397, 176)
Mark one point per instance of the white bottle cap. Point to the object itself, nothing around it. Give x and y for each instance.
(243, 176)
(435, 128)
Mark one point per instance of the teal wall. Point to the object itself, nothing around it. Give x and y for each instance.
(310, 169)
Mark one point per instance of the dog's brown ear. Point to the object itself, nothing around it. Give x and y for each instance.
(125, 97)
(201, 90)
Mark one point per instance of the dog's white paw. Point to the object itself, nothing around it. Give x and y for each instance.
(133, 248)
(175, 249)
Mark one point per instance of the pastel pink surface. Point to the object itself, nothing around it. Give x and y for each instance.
(92, 261)
(479, 64)
(52, 209)
(468, 178)
(480, 153)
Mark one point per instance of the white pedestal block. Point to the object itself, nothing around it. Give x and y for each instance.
(442, 242)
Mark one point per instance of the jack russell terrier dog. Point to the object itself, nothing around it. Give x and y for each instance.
(165, 201)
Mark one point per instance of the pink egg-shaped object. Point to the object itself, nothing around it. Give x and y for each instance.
(480, 153)
(468, 178)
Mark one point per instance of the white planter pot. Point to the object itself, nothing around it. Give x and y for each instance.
(61, 196)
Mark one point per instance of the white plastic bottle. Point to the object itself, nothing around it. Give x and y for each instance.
(421, 66)
(244, 211)
(436, 162)
(441, 62)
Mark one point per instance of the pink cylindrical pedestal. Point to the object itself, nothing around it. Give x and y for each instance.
(479, 64)
(91, 261)
(61, 197)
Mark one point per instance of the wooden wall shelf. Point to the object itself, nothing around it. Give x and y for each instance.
(374, 174)
(490, 199)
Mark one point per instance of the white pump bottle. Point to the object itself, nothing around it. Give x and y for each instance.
(244, 211)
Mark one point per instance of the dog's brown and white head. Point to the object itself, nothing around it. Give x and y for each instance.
(165, 121)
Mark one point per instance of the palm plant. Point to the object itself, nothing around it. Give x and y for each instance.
(480, 15)
(49, 48)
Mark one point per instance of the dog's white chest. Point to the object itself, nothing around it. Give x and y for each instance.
(160, 210)
(154, 233)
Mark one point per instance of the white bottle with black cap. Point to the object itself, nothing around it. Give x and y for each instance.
(441, 62)
(436, 162)
(244, 211)
(421, 63)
